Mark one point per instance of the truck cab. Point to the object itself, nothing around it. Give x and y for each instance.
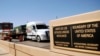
(37, 31)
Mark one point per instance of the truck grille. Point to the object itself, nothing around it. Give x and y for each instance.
(47, 35)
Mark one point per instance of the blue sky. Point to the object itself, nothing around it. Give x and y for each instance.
(21, 11)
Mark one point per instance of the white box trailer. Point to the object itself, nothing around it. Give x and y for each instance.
(37, 31)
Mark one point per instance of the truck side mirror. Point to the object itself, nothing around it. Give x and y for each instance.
(34, 28)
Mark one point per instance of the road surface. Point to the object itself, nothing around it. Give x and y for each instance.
(43, 44)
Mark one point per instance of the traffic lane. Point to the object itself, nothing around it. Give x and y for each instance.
(43, 44)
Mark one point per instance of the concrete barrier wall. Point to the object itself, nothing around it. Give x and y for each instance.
(31, 51)
(8, 46)
(12, 48)
(24, 50)
(4, 45)
(77, 19)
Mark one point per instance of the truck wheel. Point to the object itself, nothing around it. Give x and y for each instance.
(24, 38)
(10, 40)
(38, 39)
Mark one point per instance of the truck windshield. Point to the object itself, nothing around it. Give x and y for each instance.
(42, 26)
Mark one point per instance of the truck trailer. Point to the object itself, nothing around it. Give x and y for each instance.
(19, 32)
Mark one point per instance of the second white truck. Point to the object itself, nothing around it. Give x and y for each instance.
(37, 31)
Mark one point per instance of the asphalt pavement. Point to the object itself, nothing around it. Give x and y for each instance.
(43, 44)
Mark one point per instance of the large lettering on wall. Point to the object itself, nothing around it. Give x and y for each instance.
(81, 36)
(62, 36)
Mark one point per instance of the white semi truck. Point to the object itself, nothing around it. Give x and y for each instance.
(37, 31)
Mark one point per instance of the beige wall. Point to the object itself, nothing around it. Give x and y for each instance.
(81, 18)
(4, 45)
(8, 46)
(34, 51)
(24, 50)
(86, 17)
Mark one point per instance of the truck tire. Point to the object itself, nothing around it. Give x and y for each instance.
(10, 40)
(24, 38)
(38, 38)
